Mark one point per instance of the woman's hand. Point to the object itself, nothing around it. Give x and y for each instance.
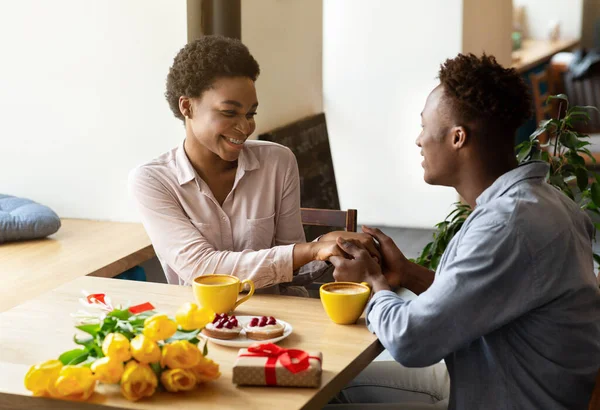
(365, 240)
(323, 250)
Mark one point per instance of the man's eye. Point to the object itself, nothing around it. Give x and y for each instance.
(228, 113)
(251, 115)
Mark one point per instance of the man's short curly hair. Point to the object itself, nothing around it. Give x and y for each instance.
(491, 100)
(200, 63)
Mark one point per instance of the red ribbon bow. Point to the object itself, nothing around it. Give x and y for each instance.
(292, 359)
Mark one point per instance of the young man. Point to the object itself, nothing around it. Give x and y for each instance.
(514, 307)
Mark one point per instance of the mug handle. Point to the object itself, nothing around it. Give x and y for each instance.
(250, 293)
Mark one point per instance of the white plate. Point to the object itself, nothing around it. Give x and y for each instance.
(242, 340)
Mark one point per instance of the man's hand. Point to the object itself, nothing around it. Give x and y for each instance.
(394, 262)
(364, 239)
(361, 268)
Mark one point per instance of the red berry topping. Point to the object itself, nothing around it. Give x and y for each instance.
(263, 322)
(233, 317)
(271, 322)
(229, 325)
(271, 317)
(219, 324)
(234, 322)
(216, 319)
(254, 322)
(264, 318)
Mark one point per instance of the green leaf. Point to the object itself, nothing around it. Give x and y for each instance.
(74, 356)
(524, 152)
(595, 191)
(557, 97)
(89, 329)
(575, 159)
(569, 139)
(597, 258)
(122, 314)
(584, 107)
(534, 135)
(584, 114)
(582, 178)
(183, 335)
(84, 341)
(205, 348)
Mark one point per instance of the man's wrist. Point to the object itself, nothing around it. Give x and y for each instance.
(378, 283)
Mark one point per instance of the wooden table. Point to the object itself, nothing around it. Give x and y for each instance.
(535, 52)
(80, 247)
(41, 329)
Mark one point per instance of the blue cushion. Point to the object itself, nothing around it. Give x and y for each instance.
(24, 219)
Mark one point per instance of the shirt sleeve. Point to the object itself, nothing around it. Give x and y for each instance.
(187, 252)
(289, 225)
(490, 281)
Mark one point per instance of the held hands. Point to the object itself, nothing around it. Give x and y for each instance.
(394, 262)
(365, 240)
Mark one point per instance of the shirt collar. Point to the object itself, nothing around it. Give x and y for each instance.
(186, 172)
(528, 170)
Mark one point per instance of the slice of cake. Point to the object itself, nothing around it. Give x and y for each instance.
(223, 327)
(263, 328)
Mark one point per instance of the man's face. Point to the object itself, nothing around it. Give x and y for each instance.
(435, 140)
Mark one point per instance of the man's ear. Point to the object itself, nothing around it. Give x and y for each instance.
(459, 136)
(185, 107)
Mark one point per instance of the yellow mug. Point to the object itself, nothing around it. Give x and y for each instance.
(219, 293)
(344, 302)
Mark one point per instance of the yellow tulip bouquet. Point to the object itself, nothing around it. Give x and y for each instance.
(135, 347)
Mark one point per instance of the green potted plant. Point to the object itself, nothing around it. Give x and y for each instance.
(564, 150)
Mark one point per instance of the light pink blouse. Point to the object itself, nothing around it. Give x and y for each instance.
(251, 236)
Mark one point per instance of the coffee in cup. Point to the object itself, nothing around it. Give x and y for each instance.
(344, 302)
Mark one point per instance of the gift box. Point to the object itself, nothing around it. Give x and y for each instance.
(267, 364)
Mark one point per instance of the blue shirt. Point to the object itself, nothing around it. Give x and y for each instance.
(514, 308)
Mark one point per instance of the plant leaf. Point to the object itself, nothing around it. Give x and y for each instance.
(74, 356)
(584, 107)
(557, 97)
(84, 341)
(595, 191)
(122, 314)
(183, 335)
(205, 348)
(89, 329)
(582, 178)
(524, 152)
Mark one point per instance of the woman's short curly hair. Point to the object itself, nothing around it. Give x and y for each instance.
(491, 100)
(197, 65)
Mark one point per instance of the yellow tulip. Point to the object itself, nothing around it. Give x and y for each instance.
(159, 327)
(138, 381)
(108, 370)
(39, 377)
(180, 354)
(191, 317)
(73, 383)
(175, 380)
(206, 370)
(116, 346)
(145, 350)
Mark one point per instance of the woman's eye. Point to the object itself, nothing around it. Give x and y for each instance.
(229, 113)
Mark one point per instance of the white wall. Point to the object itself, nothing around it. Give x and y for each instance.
(538, 14)
(286, 38)
(380, 61)
(82, 99)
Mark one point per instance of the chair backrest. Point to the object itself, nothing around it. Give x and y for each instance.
(595, 400)
(330, 218)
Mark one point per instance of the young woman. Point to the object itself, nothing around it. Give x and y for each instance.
(220, 203)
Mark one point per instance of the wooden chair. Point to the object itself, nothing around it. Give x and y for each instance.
(330, 218)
